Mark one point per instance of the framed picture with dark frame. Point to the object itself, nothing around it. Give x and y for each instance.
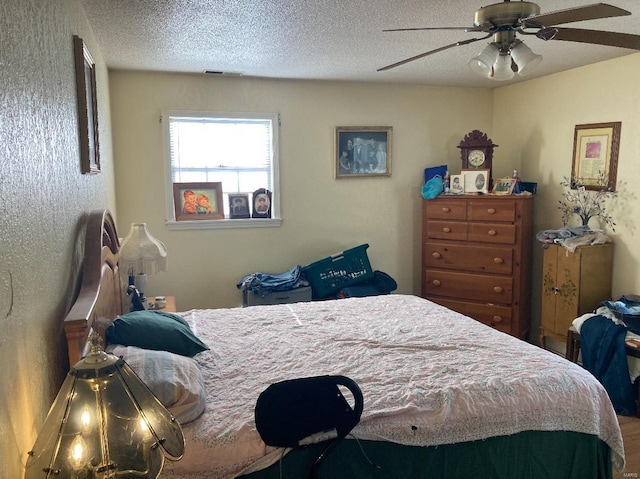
(595, 155)
(475, 180)
(198, 201)
(261, 203)
(363, 151)
(87, 107)
(239, 206)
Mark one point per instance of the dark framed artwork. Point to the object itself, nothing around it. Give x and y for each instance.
(87, 107)
(198, 201)
(239, 205)
(595, 156)
(363, 151)
(261, 203)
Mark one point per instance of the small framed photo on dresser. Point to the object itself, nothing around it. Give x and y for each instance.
(475, 180)
(504, 186)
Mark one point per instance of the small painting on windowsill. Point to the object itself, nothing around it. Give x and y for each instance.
(198, 201)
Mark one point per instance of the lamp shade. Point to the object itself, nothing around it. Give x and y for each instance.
(482, 64)
(104, 423)
(141, 253)
(526, 60)
(501, 69)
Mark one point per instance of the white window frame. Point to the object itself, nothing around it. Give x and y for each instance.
(274, 221)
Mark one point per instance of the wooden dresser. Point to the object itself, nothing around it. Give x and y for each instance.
(476, 257)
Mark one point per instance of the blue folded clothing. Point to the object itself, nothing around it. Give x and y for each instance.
(623, 306)
(263, 284)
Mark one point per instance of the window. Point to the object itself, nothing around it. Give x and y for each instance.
(239, 150)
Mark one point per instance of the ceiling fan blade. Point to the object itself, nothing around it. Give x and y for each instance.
(431, 52)
(577, 14)
(465, 29)
(598, 37)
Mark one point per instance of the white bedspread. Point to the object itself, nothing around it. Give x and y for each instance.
(428, 375)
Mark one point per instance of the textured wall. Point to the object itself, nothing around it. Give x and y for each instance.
(43, 201)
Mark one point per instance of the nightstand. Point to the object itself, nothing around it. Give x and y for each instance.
(171, 304)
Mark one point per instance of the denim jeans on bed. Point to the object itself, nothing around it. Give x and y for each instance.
(604, 356)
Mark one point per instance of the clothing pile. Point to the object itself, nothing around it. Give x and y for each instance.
(602, 342)
(263, 284)
(572, 236)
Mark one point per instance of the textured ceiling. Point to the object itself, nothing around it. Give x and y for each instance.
(322, 39)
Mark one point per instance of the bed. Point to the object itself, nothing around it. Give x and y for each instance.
(444, 396)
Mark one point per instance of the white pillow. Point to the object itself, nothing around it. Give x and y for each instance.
(176, 380)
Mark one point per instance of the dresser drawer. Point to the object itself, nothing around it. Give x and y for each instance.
(498, 317)
(492, 233)
(474, 287)
(447, 230)
(478, 259)
(488, 210)
(450, 210)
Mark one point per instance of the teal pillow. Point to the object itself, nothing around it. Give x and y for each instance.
(155, 330)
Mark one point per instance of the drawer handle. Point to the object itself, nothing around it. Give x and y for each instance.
(491, 211)
(446, 229)
(497, 289)
(436, 282)
(446, 209)
(492, 232)
(436, 255)
(498, 260)
(497, 319)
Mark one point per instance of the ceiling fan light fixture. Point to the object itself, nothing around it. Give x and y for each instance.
(524, 57)
(501, 69)
(483, 63)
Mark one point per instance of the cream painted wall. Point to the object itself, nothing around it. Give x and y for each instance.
(534, 125)
(321, 215)
(43, 203)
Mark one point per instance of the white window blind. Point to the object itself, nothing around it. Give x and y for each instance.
(238, 150)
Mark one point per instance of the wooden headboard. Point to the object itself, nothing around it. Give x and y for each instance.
(100, 294)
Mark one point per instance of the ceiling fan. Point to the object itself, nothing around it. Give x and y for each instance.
(506, 54)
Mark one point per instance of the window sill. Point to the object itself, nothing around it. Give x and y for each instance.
(225, 224)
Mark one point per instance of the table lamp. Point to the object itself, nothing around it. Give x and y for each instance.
(142, 254)
(104, 423)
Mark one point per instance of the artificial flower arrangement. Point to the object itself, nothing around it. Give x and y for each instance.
(586, 204)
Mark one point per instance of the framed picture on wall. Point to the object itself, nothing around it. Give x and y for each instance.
(87, 107)
(595, 155)
(198, 201)
(363, 151)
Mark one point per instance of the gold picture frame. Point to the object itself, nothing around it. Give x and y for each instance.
(595, 155)
(504, 186)
(363, 151)
(87, 107)
(198, 201)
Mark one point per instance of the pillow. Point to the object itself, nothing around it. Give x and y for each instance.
(155, 330)
(175, 380)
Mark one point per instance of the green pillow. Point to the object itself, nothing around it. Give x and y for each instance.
(155, 330)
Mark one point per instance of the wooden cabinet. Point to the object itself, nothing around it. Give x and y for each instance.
(476, 257)
(572, 284)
